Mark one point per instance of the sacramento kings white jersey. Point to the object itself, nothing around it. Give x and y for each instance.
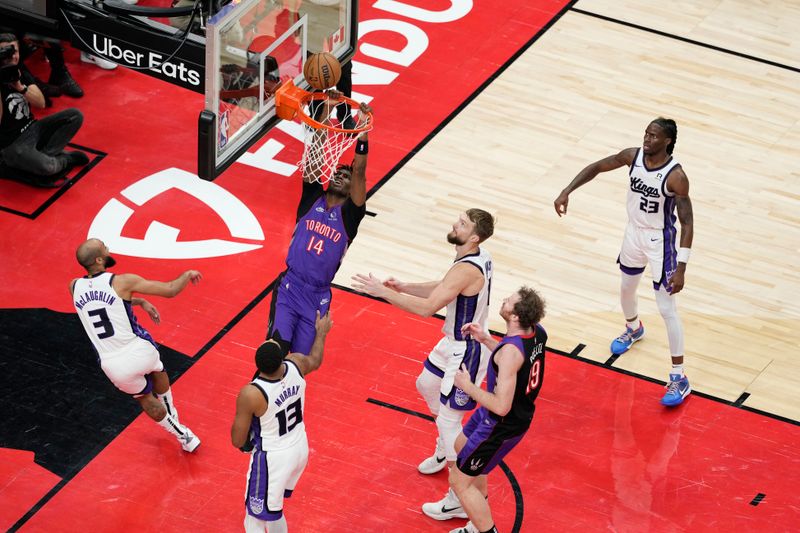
(466, 309)
(650, 205)
(108, 319)
(281, 426)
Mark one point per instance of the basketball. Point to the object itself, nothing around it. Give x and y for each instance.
(322, 70)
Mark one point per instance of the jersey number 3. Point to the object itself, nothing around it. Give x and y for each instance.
(104, 323)
(289, 417)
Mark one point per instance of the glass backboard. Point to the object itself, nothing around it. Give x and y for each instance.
(252, 46)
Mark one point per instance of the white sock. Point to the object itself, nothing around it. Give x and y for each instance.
(166, 401)
(253, 524)
(429, 387)
(172, 425)
(278, 526)
(627, 295)
(449, 424)
(668, 307)
(633, 326)
(677, 369)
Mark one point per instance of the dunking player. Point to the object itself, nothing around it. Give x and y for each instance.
(327, 222)
(657, 185)
(126, 351)
(269, 422)
(465, 291)
(506, 409)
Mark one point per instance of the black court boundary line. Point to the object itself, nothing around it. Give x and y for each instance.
(519, 502)
(459, 108)
(64, 188)
(91, 457)
(687, 40)
(574, 354)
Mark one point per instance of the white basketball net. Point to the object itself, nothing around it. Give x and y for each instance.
(324, 146)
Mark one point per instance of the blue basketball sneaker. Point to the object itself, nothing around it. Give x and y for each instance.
(623, 343)
(678, 388)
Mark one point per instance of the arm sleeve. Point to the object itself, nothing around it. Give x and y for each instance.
(311, 192)
(352, 215)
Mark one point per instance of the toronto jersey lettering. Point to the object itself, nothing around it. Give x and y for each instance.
(108, 319)
(281, 426)
(529, 378)
(650, 204)
(466, 309)
(321, 237)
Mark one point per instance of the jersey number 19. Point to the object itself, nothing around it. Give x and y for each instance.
(533, 379)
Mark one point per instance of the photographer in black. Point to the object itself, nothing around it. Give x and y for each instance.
(32, 151)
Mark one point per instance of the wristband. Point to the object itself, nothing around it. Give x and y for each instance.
(24, 89)
(362, 147)
(247, 447)
(683, 255)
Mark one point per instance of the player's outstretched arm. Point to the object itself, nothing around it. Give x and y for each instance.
(247, 404)
(625, 157)
(474, 330)
(509, 361)
(423, 289)
(312, 361)
(127, 284)
(148, 308)
(458, 278)
(358, 179)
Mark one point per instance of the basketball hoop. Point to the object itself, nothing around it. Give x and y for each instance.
(325, 138)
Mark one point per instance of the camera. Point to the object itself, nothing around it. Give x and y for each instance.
(9, 73)
(7, 51)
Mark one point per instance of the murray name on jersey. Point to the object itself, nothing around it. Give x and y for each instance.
(286, 394)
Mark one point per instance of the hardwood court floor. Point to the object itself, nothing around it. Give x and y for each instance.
(584, 90)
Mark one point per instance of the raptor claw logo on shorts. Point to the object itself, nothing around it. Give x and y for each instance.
(475, 464)
(462, 398)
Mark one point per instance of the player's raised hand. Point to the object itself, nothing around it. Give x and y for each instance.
(151, 310)
(368, 284)
(194, 276)
(462, 378)
(393, 283)
(676, 280)
(474, 330)
(561, 203)
(323, 324)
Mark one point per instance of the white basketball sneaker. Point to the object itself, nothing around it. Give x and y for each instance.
(189, 441)
(446, 508)
(104, 64)
(468, 528)
(436, 462)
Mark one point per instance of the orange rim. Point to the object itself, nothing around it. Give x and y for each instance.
(290, 100)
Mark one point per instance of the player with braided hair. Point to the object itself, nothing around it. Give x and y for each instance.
(658, 187)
